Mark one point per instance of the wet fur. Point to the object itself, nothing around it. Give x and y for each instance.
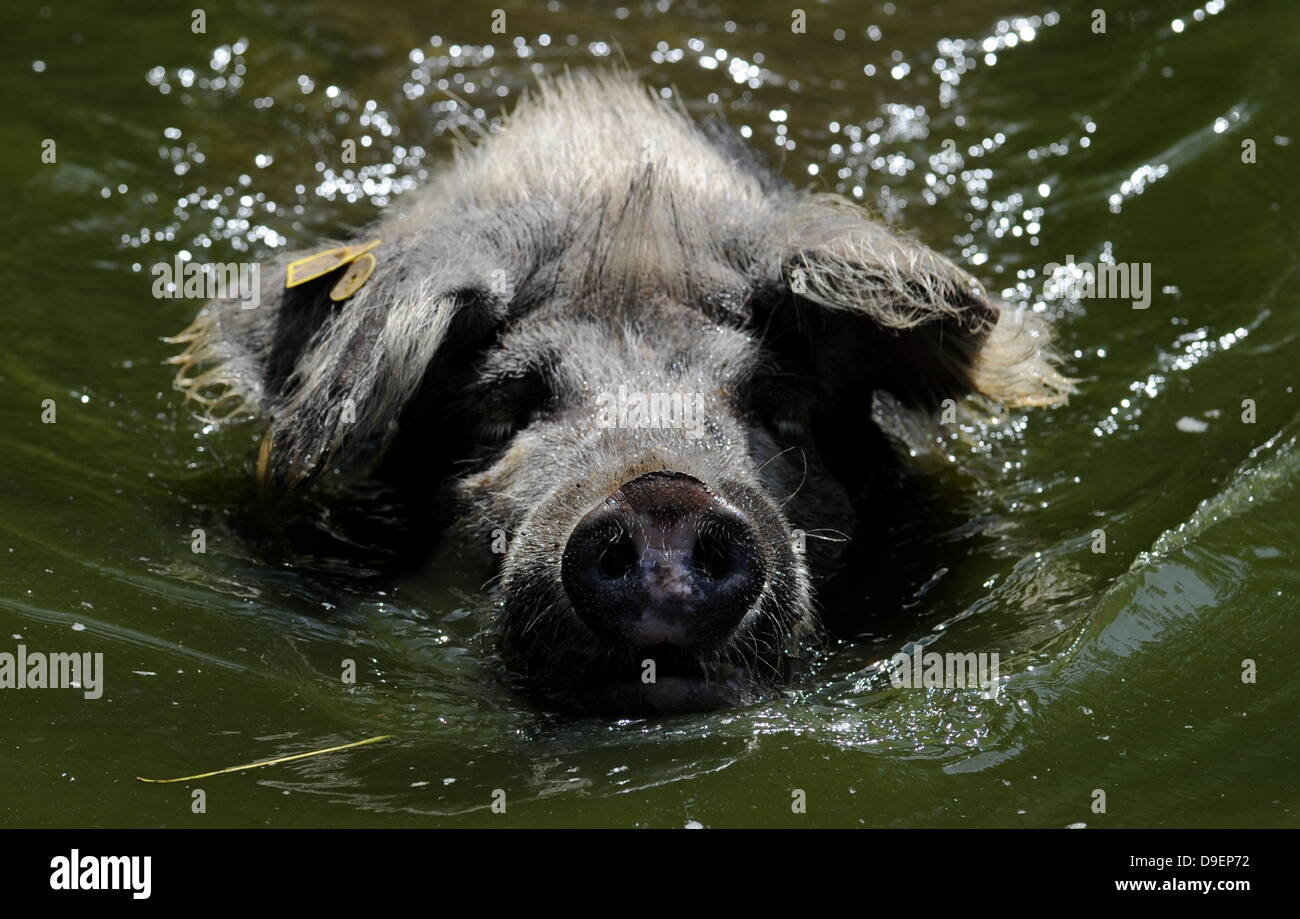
(600, 239)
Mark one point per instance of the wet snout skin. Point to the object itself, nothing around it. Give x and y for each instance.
(663, 561)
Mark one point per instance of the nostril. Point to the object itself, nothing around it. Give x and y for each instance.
(724, 547)
(715, 557)
(618, 557)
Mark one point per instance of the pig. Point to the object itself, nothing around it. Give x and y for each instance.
(609, 332)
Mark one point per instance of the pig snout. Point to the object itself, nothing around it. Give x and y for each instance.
(663, 561)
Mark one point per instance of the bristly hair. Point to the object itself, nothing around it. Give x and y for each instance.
(597, 193)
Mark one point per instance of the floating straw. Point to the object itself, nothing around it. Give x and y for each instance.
(268, 762)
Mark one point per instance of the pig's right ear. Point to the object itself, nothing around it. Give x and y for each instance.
(879, 310)
(331, 374)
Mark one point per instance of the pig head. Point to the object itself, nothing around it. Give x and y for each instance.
(610, 334)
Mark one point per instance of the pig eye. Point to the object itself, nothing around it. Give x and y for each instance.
(509, 405)
(783, 406)
(495, 431)
(790, 428)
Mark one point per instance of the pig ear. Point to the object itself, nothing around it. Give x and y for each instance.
(331, 374)
(878, 305)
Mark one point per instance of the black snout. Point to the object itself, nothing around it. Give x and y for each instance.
(663, 561)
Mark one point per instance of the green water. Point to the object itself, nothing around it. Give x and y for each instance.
(1125, 667)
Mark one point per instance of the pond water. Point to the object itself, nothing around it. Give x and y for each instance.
(1123, 669)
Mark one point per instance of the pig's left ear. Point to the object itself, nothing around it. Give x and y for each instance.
(330, 357)
(883, 309)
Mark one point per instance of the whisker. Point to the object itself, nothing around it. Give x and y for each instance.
(802, 481)
(776, 456)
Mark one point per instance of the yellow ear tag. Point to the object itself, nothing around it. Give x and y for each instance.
(358, 273)
(322, 263)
